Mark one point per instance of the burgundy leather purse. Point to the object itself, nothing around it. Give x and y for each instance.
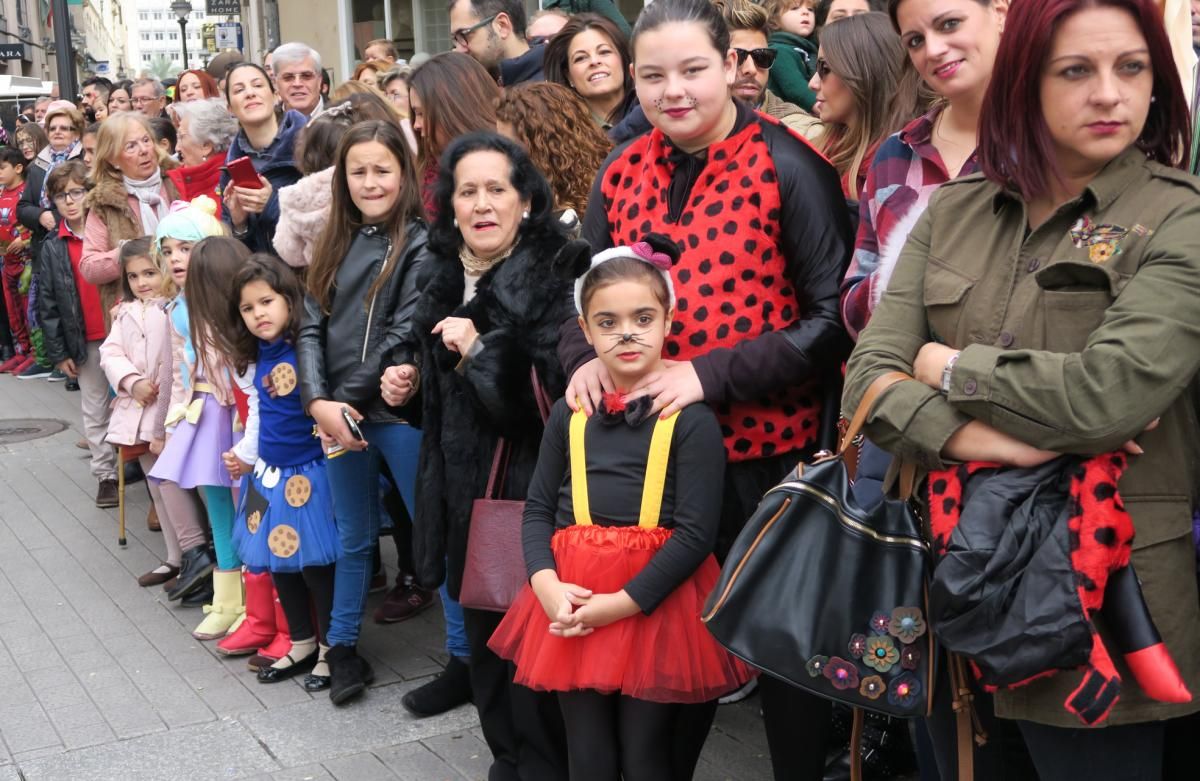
(495, 567)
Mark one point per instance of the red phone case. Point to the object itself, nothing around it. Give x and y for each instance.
(242, 173)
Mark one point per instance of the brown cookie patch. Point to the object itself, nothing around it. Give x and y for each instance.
(297, 490)
(284, 541)
(283, 379)
(253, 520)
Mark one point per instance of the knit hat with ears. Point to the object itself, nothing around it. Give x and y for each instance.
(190, 221)
(654, 249)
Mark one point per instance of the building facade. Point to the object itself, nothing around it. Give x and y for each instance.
(24, 22)
(98, 39)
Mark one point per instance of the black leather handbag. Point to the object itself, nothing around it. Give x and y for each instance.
(827, 596)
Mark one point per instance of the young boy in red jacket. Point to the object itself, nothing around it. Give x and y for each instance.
(17, 259)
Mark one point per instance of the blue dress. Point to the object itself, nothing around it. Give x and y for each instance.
(285, 518)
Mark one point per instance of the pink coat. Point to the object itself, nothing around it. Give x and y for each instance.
(137, 348)
(303, 214)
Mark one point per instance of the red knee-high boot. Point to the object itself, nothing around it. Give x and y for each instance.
(280, 644)
(259, 627)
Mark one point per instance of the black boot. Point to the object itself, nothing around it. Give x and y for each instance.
(349, 673)
(201, 596)
(196, 565)
(445, 692)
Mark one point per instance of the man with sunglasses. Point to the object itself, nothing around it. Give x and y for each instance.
(748, 32)
(493, 32)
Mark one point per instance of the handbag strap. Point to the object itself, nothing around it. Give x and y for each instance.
(969, 728)
(500, 458)
(881, 383)
(656, 471)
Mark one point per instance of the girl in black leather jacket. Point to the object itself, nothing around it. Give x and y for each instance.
(363, 286)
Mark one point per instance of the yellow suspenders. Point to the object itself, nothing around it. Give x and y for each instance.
(656, 471)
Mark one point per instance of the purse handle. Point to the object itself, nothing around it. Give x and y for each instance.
(908, 470)
(500, 457)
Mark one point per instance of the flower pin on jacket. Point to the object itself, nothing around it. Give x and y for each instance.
(1103, 241)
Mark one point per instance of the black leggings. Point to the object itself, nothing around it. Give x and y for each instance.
(611, 737)
(296, 590)
(1130, 752)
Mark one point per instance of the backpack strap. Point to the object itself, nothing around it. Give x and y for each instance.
(656, 471)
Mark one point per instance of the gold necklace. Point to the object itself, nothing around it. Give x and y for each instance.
(477, 266)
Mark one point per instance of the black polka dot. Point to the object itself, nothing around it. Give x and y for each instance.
(742, 325)
(737, 203)
(706, 290)
(697, 339)
(634, 211)
(720, 154)
(755, 200)
(768, 449)
(683, 275)
(714, 208)
(701, 314)
(728, 285)
(693, 241)
(672, 349)
(726, 431)
(742, 445)
(686, 219)
(787, 313)
(751, 300)
(652, 203)
(787, 434)
(1105, 491)
(614, 179)
(682, 305)
(730, 228)
(722, 330)
(712, 234)
(768, 427)
(748, 274)
(1106, 535)
(722, 186)
(705, 266)
(726, 259)
(746, 182)
(749, 422)
(948, 504)
(727, 308)
(939, 486)
(646, 227)
(768, 177)
(635, 158)
(750, 246)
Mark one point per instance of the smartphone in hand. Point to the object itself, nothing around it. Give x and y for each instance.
(351, 424)
(242, 173)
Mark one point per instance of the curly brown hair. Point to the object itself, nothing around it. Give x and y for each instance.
(564, 142)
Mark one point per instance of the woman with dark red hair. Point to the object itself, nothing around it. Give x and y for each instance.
(195, 85)
(1048, 307)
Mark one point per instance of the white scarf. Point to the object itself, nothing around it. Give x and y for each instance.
(149, 194)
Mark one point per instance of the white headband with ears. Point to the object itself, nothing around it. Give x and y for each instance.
(659, 261)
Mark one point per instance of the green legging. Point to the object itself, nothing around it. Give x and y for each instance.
(219, 504)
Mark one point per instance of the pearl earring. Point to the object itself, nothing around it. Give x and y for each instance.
(456, 222)
(525, 215)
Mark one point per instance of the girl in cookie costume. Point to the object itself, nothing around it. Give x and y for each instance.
(285, 517)
(201, 415)
(620, 524)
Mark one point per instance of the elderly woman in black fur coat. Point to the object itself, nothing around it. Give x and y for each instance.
(489, 313)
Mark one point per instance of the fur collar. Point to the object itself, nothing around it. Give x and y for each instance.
(519, 289)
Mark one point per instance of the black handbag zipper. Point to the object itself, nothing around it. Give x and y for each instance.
(829, 501)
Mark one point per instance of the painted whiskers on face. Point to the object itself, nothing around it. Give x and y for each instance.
(621, 340)
(688, 102)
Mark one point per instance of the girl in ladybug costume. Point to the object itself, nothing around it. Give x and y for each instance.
(620, 523)
(764, 237)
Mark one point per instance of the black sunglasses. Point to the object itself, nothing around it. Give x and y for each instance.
(763, 58)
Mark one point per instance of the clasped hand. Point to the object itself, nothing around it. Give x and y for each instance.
(575, 611)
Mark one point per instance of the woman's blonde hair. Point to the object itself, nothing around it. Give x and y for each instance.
(110, 142)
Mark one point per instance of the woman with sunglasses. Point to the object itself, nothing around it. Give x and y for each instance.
(861, 95)
(765, 236)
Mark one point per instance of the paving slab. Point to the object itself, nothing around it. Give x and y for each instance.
(221, 750)
(317, 731)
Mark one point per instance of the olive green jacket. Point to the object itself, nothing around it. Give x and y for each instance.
(1074, 338)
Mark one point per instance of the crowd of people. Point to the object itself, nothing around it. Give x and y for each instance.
(621, 274)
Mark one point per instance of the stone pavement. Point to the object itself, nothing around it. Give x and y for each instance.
(101, 679)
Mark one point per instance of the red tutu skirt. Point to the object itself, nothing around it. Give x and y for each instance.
(667, 656)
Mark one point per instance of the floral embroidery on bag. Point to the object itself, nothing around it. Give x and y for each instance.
(904, 690)
(880, 662)
(842, 674)
(872, 687)
(857, 646)
(906, 624)
(881, 654)
(1103, 241)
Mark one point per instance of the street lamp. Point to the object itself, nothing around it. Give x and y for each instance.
(182, 9)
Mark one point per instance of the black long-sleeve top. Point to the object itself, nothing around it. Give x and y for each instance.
(616, 454)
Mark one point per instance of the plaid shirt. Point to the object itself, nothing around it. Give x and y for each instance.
(904, 173)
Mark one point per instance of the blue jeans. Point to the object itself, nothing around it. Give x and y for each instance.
(354, 480)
